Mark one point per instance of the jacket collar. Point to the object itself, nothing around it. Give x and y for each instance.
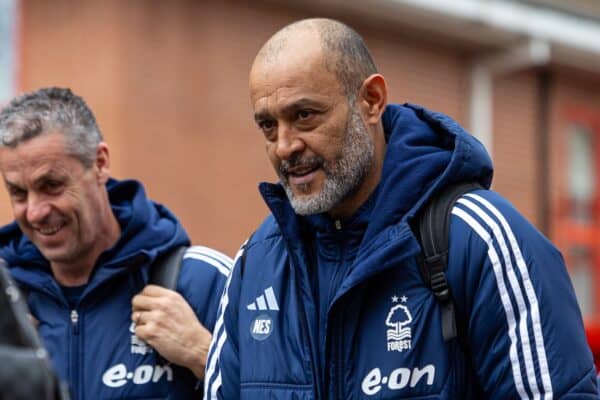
(426, 151)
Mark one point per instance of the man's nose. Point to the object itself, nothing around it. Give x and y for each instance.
(37, 209)
(289, 142)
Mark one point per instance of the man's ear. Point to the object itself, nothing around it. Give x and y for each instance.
(372, 98)
(102, 163)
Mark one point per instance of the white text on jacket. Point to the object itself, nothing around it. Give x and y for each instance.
(397, 379)
(117, 375)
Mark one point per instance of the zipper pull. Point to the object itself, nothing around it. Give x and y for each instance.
(74, 321)
(338, 224)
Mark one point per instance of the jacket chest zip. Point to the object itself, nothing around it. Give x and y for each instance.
(343, 247)
(335, 336)
(344, 298)
(75, 353)
(338, 224)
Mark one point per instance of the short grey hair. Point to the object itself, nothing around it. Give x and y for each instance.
(346, 55)
(50, 110)
(344, 51)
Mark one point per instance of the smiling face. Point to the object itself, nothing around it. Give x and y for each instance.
(59, 204)
(316, 141)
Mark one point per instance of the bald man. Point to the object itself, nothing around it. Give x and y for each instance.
(326, 299)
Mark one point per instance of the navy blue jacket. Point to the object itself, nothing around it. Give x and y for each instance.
(93, 346)
(383, 337)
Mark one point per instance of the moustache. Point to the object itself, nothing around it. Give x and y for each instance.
(297, 163)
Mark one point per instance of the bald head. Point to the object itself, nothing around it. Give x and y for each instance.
(342, 50)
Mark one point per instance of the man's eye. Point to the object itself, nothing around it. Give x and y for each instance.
(17, 194)
(267, 127)
(53, 186)
(304, 114)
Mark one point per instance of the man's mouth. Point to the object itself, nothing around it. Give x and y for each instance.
(302, 170)
(303, 177)
(301, 174)
(49, 230)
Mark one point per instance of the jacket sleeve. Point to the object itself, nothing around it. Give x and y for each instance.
(201, 281)
(222, 377)
(202, 277)
(524, 329)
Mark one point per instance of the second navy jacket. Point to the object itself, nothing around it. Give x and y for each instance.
(93, 345)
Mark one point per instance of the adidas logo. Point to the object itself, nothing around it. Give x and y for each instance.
(265, 301)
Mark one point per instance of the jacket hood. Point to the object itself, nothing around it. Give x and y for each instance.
(426, 151)
(147, 230)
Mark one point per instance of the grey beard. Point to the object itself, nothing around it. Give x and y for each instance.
(343, 176)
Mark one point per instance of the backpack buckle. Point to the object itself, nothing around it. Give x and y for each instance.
(437, 277)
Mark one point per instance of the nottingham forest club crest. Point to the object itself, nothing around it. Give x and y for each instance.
(138, 346)
(399, 336)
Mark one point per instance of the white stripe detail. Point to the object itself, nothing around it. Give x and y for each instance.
(508, 309)
(271, 300)
(531, 297)
(260, 302)
(516, 289)
(217, 382)
(218, 340)
(209, 260)
(216, 385)
(217, 255)
(251, 306)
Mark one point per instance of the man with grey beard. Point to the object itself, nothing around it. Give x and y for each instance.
(326, 299)
(345, 173)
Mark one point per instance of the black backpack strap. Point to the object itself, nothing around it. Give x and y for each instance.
(165, 269)
(164, 272)
(434, 227)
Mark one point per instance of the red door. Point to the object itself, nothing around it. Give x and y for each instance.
(577, 219)
(577, 225)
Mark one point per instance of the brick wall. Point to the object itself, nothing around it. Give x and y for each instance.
(168, 82)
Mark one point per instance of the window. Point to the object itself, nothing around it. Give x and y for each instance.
(582, 275)
(8, 18)
(581, 176)
(578, 222)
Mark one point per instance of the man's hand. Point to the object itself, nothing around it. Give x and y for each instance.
(165, 321)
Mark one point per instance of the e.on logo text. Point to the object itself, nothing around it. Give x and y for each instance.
(117, 375)
(398, 379)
